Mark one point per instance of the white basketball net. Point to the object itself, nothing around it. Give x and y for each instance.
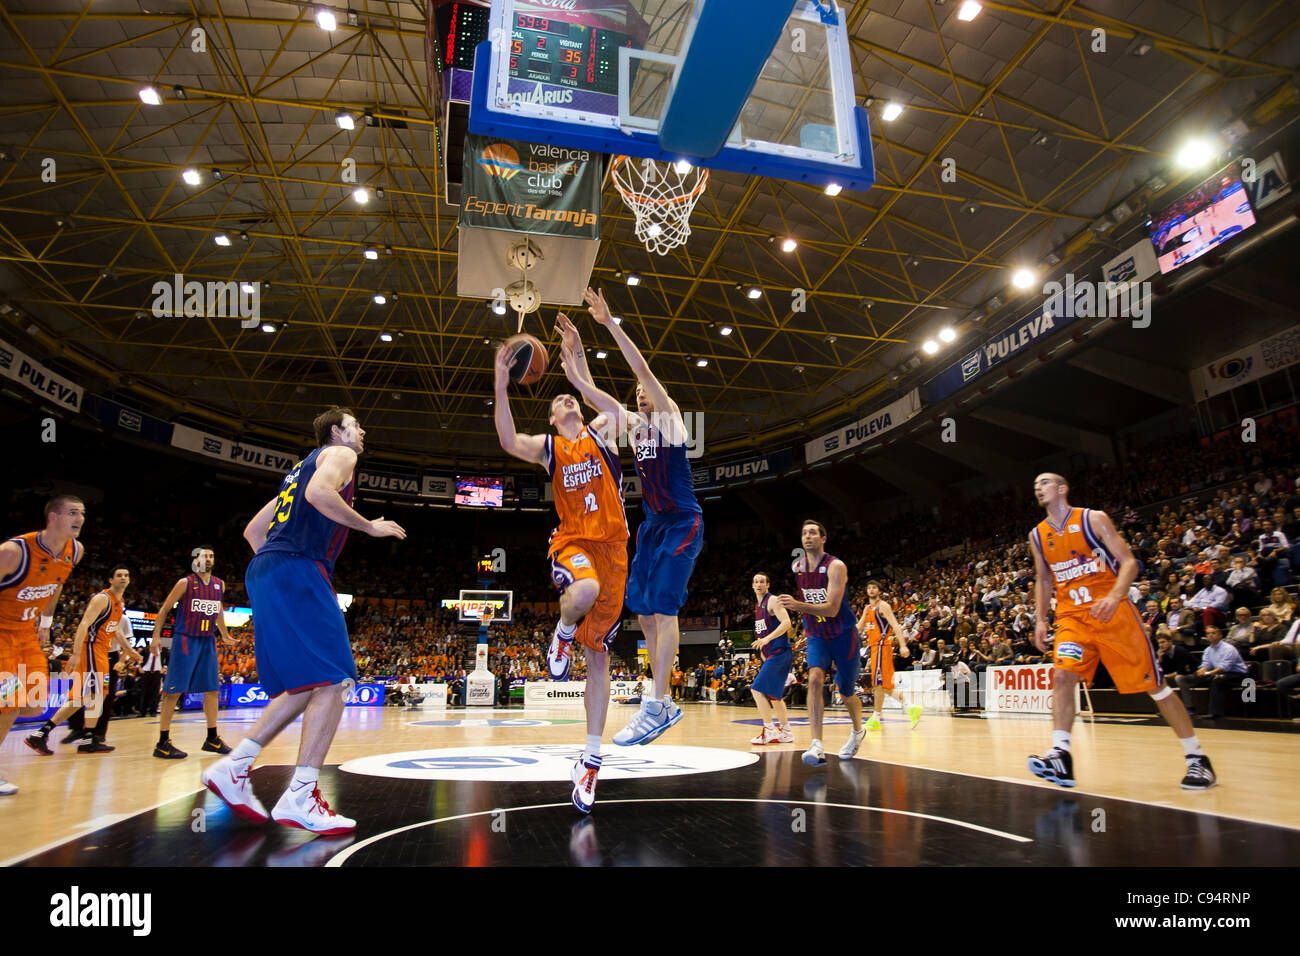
(661, 196)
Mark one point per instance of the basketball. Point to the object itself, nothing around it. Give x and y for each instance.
(529, 362)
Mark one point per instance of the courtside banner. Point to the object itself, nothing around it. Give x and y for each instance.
(237, 453)
(35, 377)
(1247, 364)
(127, 419)
(1021, 689)
(1130, 267)
(531, 187)
(388, 482)
(864, 429)
(543, 693)
(736, 472)
(1008, 344)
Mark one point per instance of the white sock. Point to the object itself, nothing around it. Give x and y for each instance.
(246, 750)
(770, 725)
(816, 742)
(1191, 746)
(1061, 740)
(566, 631)
(593, 746)
(304, 780)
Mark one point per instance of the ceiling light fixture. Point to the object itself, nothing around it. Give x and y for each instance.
(381, 299)
(930, 347)
(947, 334)
(268, 327)
(192, 177)
(361, 195)
(326, 20)
(371, 253)
(969, 10)
(1194, 154)
(755, 293)
(701, 363)
(633, 279)
(602, 354)
(892, 112)
(833, 189)
(789, 245)
(1022, 278)
(344, 120)
(221, 239)
(499, 310)
(682, 167)
(725, 330)
(385, 337)
(149, 96)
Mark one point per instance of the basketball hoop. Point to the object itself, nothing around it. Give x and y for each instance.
(661, 196)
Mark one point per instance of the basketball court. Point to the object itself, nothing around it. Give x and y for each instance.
(482, 787)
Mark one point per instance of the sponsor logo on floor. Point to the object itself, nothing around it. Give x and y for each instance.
(546, 762)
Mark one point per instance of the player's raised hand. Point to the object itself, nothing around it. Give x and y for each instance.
(570, 340)
(379, 528)
(599, 308)
(501, 365)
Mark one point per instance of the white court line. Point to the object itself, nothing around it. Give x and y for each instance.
(111, 817)
(1038, 784)
(339, 858)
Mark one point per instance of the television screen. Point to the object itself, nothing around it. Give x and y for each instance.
(1213, 212)
(479, 492)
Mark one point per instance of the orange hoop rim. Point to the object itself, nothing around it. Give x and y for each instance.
(630, 196)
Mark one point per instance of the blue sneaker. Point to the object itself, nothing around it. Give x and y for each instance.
(584, 774)
(654, 717)
(1055, 766)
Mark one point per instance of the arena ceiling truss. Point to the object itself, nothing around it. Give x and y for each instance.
(1045, 133)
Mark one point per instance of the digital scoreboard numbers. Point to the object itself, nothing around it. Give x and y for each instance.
(546, 50)
(542, 49)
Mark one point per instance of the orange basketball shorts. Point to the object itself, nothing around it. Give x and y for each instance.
(880, 659)
(21, 658)
(1120, 643)
(606, 562)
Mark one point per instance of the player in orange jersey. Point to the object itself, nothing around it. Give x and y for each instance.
(1080, 556)
(588, 551)
(33, 569)
(876, 621)
(95, 636)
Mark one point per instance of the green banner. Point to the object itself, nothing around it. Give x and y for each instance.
(531, 187)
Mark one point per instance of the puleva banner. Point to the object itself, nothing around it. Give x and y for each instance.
(531, 187)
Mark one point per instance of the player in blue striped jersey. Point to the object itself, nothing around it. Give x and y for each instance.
(672, 534)
(831, 633)
(199, 599)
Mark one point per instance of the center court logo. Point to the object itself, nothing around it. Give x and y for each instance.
(544, 762)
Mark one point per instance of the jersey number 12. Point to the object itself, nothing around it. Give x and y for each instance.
(589, 503)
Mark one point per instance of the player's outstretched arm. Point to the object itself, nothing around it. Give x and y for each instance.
(574, 360)
(530, 448)
(673, 427)
(334, 468)
(164, 611)
(1042, 594)
(1104, 528)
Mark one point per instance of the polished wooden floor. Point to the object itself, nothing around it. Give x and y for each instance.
(128, 808)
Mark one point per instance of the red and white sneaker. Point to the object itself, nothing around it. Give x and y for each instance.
(785, 736)
(559, 656)
(765, 736)
(225, 779)
(585, 770)
(307, 810)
